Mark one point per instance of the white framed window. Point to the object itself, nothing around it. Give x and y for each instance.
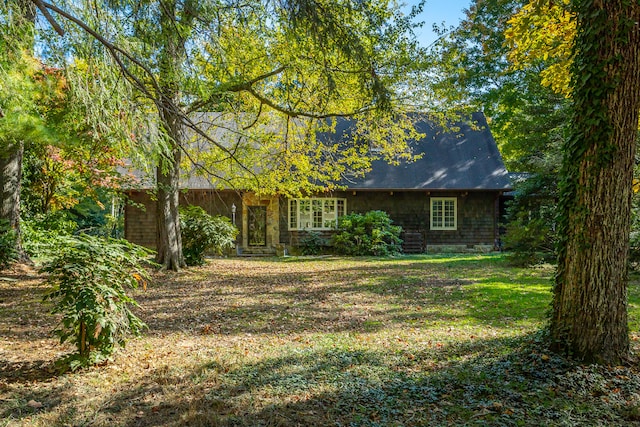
(315, 213)
(444, 213)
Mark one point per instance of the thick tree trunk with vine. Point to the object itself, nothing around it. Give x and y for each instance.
(589, 320)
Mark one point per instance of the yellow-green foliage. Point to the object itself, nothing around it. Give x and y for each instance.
(274, 86)
(542, 32)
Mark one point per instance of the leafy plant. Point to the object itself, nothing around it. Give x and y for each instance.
(88, 276)
(368, 234)
(202, 232)
(41, 233)
(8, 237)
(529, 241)
(312, 243)
(530, 230)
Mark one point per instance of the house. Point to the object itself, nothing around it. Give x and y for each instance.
(447, 200)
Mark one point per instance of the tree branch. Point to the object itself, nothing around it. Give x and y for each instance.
(115, 52)
(48, 17)
(292, 113)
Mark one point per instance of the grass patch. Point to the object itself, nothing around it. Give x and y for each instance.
(409, 341)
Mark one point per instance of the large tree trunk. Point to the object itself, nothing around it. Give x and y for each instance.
(11, 154)
(168, 239)
(10, 180)
(589, 320)
(10, 177)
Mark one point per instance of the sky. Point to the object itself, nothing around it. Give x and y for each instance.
(438, 11)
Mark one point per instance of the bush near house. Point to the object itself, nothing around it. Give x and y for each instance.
(530, 237)
(529, 241)
(312, 243)
(202, 232)
(371, 233)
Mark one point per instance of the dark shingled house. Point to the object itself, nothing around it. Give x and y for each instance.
(448, 200)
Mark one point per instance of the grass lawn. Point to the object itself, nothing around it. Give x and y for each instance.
(409, 341)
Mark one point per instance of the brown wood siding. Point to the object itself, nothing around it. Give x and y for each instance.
(411, 210)
(140, 219)
(140, 215)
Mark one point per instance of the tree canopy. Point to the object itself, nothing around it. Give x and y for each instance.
(277, 70)
(541, 34)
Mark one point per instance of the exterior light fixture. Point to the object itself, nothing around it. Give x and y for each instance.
(233, 213)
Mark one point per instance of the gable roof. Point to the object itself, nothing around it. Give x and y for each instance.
(464, 159)
(467, 159)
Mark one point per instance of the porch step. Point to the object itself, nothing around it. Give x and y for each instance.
(257, 252)
(412, 243)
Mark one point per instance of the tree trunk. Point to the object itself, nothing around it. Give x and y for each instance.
(10, 177)
(11, 154)
(589, 319)
(169, 240)
(10, 180)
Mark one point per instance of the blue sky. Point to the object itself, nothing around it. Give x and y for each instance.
(437, 11)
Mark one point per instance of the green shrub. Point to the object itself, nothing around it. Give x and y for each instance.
(41, 233)
(530, 221)
(634, 250)
(529, 241)
(202, 232)
(8, 238)
(368, 234)
(88, 276)
(312, 243)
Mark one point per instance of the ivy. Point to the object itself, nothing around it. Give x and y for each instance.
(595, 191)
(590, 129)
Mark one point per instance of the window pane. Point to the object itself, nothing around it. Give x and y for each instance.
(305, 214)
(340, 210)
(443, 214)
(329, 206)
(293, 214)
(329, 214)
(449, 214)
(317, 213)
(436, 206)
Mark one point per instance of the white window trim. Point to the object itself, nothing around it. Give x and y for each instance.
(455, 216)
(303, 223)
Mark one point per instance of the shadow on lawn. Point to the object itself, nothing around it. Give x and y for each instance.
(27, 371)
(23, 316)
(487, 382)
(328, 299)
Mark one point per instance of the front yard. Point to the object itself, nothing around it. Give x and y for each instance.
(410, 341)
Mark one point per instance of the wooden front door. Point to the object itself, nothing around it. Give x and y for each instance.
(257, 222)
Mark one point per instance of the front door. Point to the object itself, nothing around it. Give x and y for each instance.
(257, 222)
